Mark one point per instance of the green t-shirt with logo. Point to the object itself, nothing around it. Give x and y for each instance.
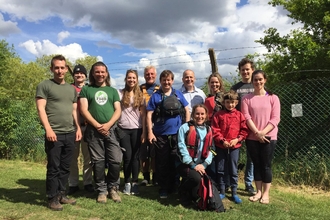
(100, 101)
(59, 104)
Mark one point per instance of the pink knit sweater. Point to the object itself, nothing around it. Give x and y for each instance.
(262, 110)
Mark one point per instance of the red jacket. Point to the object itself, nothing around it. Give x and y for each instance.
(228, 125)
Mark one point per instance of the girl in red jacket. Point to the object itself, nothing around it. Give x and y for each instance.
(229, 130)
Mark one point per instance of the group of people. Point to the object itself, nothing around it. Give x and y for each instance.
(178, 134)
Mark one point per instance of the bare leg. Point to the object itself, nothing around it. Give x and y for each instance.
(265, 195)
(258, 195)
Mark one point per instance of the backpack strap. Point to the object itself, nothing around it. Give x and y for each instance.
(192, 139)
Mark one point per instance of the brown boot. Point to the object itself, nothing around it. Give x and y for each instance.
(65, 200)
(102, 198)
(113, 194)
(54, 204)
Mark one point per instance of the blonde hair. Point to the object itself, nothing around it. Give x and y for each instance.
(217, 75)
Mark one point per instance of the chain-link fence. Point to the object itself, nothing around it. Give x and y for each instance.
(302, 154)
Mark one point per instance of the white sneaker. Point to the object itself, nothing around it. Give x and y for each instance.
(127, 189)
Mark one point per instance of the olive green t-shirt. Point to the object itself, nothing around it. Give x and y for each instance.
(59, 105)
(100, 101)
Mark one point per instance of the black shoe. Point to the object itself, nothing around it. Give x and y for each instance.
(73, 189)
(250, 190)
(240, 166)
(89, 188)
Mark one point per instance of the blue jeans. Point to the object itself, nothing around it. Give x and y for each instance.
(248, 174)
(226, 165)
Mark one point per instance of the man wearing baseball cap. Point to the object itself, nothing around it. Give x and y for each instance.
(79, 76)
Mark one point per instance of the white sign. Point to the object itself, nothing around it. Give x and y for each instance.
(296, 110)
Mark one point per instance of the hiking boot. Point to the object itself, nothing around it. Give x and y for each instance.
(54, 204)
(89, 188)
(236, 199)
(135, 189)
(127, 189)
(65, 200)
(101, 198)
(73, 189)
(113, 194)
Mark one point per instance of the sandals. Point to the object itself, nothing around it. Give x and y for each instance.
(264, 201)
(254, 199)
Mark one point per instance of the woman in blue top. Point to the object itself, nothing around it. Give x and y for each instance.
(194, 144)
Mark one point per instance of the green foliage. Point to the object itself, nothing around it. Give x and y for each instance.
(304, 53)
(310, 169)
(7, 126)
(302, 152)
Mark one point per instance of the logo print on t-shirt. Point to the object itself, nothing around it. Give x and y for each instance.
(101, 97)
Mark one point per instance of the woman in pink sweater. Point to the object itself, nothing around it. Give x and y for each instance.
(262, 112)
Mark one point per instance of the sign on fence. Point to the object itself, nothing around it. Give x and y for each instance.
(296, 110)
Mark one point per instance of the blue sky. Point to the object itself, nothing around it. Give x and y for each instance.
(128, 34)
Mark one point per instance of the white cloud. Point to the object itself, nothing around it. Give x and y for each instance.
(62, 35)
(8, 27)
(71, 51)
(150, 30)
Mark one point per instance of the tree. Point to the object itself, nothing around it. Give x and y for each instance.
(304, 53)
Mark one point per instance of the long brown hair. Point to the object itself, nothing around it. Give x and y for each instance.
(91, 76)
(138, 95)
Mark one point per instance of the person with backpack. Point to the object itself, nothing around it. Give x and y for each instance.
(166, 110)
(147, 151)
(229, 130)
(194, 145)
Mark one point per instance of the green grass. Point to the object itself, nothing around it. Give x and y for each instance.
(22, 196)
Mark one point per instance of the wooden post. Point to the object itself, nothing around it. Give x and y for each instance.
(213, 60)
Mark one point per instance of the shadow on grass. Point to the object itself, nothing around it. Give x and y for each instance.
(31, 191)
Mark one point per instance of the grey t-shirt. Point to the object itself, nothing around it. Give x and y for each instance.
(242, 89)
(59, 106)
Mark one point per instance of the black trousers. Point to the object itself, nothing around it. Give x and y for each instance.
(131, 143)
(190, 180)
(165, 161)
(262, 155)
(59, 158)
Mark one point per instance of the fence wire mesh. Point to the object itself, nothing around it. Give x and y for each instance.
(302, 152)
